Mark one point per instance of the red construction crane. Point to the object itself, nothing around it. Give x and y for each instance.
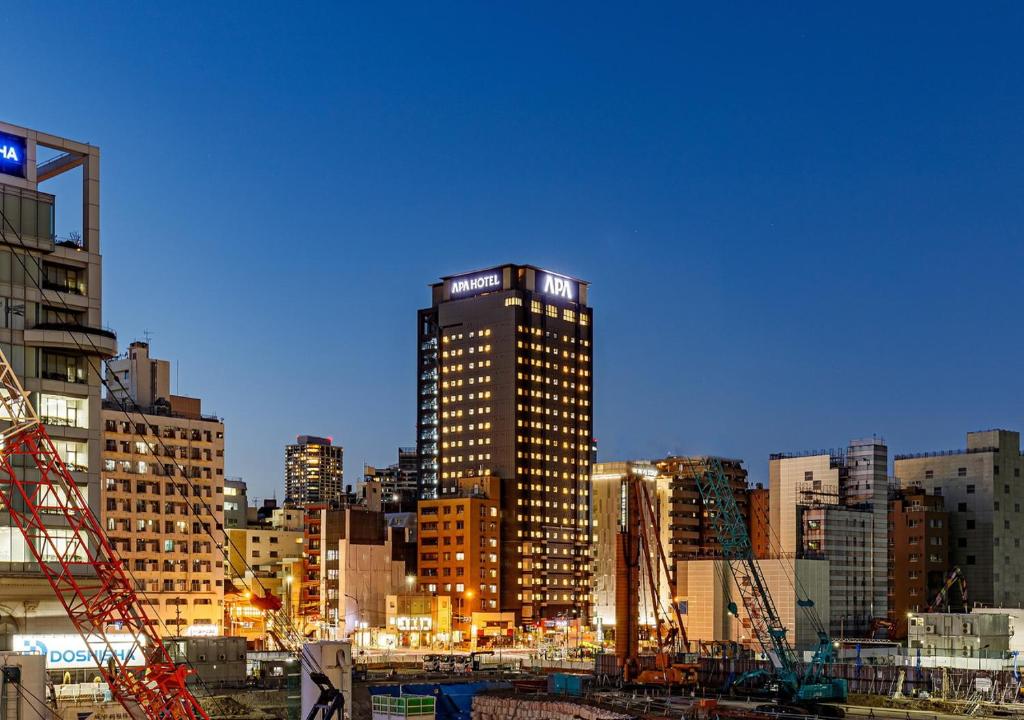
(83, 569)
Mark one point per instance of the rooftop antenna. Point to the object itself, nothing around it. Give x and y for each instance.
(148, 335)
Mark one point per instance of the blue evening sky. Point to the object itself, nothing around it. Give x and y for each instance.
(802, 222)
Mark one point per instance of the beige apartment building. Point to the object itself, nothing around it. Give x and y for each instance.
(263, 560)
(833, 506)
(984, 495)
(706, 587)
(607, 492)
(51, 329)
(162, 493)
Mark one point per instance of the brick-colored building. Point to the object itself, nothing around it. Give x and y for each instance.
(692, 534)
(918, 554)
(757, 522)
(459, 552)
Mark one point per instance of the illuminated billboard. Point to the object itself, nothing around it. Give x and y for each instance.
(12, 155)
(474, 283)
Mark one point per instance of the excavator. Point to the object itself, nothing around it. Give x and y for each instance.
(638, 552)
(955, 577)
(812, 691)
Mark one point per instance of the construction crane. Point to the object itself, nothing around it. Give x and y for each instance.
(77, 559)
(807, 690)
(955, 577)
(638, 552)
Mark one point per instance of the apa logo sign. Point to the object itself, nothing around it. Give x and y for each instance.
(558, 286)
(12, 155)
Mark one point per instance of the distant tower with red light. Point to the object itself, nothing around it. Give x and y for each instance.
(314, 472)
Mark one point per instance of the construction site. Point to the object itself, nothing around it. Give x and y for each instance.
(141, 650)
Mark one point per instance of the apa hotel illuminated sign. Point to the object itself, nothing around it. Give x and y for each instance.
(477, 283)
(558, 286)
(12, 155)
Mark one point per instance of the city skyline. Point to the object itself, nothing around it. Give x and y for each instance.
(808, 267)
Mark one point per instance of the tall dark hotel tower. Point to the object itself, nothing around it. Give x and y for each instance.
(505, 388)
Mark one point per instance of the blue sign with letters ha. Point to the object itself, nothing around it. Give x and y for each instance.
(12, 155)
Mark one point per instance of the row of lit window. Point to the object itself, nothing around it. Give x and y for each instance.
(455, 474)
(545, 457)
(554, 459)
(482, 395)
(539, 410)
(483, 410)
(538, 332)
(471, 442)
(551, 489)
(551, 311)
(546, 364)
(469, 458)
(538, 425)
(540, 535)
(546, 473)
(549, 381)
(474, 426)
(452, 429)
(553, 504)
(540, 549)
(538, 347)
(452, 414)
(481, 379)
(550, 442)
(531, 565)
(482, 332)
(457, 352)
(539, 596)
(555, 397)
(551, 582)
(550, 520)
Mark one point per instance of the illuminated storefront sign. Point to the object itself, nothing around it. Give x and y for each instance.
(473, 284)
(557, 285)
(12, 155)
(67, 652)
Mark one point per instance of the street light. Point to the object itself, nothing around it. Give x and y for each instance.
(288, 595)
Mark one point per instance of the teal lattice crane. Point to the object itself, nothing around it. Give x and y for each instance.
(766, 625)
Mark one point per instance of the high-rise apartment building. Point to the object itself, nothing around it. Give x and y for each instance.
(505, 388)
(918, 554)
(162, 495)
(51, 329)
(833, 506)
(984, 493)
(313, 472)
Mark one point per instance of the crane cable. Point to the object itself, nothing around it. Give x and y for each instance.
(308, 661)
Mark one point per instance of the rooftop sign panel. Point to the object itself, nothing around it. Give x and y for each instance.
(12, 155)
(464, 286)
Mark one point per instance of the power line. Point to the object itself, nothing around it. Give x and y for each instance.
(294, 635)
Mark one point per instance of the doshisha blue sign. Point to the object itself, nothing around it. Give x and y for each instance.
(12, 155)
(474, 284)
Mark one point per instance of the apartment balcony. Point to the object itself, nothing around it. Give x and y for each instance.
(68, 336)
